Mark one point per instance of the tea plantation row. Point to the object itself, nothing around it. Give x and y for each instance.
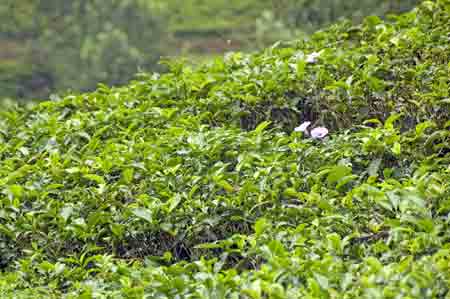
(196, 184)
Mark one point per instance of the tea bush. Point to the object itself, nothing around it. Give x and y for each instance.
(50, 46)
(198, 183)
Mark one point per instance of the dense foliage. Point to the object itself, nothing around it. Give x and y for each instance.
(194, 183)
(54, 45)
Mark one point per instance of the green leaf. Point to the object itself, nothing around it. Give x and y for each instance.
(16, 190)
(290, 192)
(117, 229)
(374, 167)
(420, 128)
(338, 172)
(260, 225)
(142, 213)
(127, 175)
(261, 127)
(389, 123)
(397, 149)
(301, 69)
(322, 281)
(73, 170)
(96, 178)
(225, 185)
(174, 202)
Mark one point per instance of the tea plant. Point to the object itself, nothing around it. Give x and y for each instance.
(50, 46)
(207, 183)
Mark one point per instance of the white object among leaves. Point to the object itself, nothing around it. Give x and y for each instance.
(312, 58)
(319, 132)
(303, 127)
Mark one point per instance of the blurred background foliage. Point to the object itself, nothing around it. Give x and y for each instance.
(51, 46)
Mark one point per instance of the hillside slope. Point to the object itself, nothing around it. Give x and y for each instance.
(51, 46)
(199, 184)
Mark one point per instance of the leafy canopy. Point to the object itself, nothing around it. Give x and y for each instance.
(194, 184)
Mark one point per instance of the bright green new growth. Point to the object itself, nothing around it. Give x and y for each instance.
(193, 184)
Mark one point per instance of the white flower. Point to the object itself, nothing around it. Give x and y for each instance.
(303, 127)
(319, 132)
(312, 58)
